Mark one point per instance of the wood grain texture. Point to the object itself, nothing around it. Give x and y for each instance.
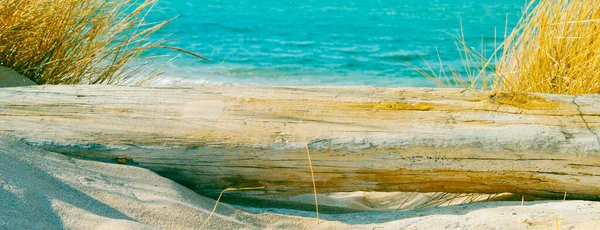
(372, 139)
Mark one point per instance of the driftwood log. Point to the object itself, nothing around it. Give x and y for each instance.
(369, 139)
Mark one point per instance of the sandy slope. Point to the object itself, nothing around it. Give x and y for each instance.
(44, 190)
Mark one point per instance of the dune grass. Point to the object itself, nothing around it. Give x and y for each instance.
(555, 48)
(79, 42)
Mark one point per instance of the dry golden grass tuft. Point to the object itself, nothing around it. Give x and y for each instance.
(78, 42)
(555, 48)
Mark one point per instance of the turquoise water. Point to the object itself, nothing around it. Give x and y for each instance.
(325, 42)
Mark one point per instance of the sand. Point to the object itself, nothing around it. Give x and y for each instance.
(45, 190)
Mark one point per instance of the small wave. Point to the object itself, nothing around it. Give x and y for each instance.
(296, 43)
(290, 55)
(384, 38)
(337, 57)
(360, 58)
(399, 56)
(356, 49)
(334, 8)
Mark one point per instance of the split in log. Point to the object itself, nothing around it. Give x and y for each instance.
(369, 139)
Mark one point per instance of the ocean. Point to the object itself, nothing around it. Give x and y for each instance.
(325, 42)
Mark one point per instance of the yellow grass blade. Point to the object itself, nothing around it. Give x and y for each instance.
(312, 174)
(219, 199)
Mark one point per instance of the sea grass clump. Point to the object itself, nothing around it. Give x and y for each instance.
(78, 42)
(555, 48)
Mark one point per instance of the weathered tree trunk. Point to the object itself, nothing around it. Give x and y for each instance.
(373, 139)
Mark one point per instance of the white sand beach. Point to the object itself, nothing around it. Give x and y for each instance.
(45, 190)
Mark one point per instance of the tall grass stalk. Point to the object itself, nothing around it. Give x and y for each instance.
(78, 42)
(219, 200)
(312, 173)
(475, 67)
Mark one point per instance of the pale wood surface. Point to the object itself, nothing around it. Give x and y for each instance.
(372, 139)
